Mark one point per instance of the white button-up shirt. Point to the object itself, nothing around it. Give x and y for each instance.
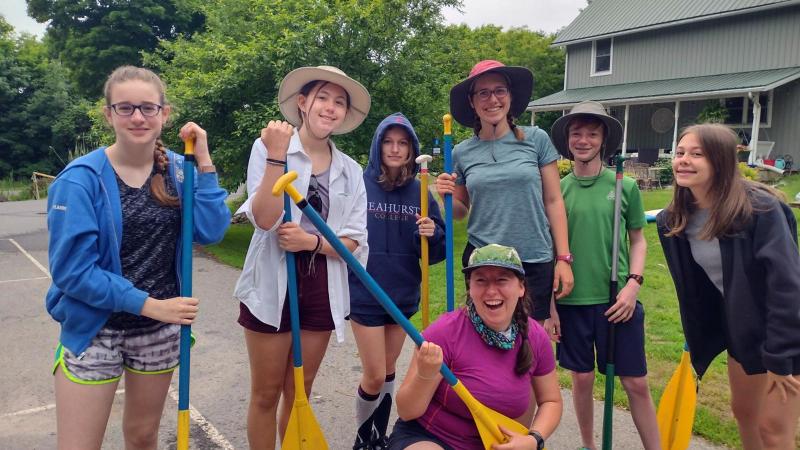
(262, 284)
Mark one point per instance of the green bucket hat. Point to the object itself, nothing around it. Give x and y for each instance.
(495, 255)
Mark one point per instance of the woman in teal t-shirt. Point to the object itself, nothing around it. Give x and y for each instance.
(506, 178)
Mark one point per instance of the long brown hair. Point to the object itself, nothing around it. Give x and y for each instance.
(731, 207)
(160, 161)
(476, 127)
(406, 171)
(520, 317)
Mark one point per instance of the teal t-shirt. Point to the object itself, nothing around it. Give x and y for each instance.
(505, 191)
(590, 218)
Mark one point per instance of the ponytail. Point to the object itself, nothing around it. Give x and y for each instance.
(157, 186)
(524, 354)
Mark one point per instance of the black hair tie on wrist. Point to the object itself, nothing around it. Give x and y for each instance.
(276, 162)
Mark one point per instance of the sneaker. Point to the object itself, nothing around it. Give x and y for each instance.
(380, 443)
(362, 445)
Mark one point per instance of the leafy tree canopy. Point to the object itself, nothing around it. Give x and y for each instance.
(92, 37)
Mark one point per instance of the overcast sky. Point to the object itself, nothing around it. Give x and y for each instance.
(538, 15)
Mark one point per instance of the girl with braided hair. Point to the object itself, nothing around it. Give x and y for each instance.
(495, 349)
(506, 178)
(115, 244)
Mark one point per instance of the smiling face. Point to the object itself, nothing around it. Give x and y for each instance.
(136, 129)
(495, 291)
(324, 108)
(395, 149)
(691, 166)
(585, 139)
(491, 110)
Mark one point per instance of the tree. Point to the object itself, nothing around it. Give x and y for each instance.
(92, 38)
(34, 97)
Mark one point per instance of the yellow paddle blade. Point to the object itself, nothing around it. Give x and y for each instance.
(303, 431)
(488, 420)
(676, 408)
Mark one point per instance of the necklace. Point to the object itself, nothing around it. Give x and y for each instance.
(587, 182)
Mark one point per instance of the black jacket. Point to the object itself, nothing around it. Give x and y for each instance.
(758, 321)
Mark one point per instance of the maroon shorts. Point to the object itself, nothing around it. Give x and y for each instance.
(312, 295)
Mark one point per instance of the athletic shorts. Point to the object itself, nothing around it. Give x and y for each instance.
(150, 350)
(406, 434)
(538, 281)
(312, 299)
(584, 336)
(376, 320)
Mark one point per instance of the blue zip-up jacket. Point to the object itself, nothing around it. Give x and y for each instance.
(393, 234)
(84, 218)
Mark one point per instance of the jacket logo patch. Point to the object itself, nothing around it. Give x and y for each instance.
(60, 207)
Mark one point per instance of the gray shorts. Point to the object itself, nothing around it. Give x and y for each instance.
(150, 350)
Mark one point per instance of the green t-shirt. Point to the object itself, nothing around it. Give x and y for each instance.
(590, 216)
(505, 191)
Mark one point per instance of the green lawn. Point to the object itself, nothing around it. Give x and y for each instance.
(664, 336)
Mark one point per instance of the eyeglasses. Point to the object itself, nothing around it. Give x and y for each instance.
(314, 198)
(127, 109)
(485, 94)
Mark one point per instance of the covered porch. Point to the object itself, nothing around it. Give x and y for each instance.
(653, 112)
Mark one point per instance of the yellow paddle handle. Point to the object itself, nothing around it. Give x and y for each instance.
(447, 119)
(188, 146)
(478, 411)
(284, 183)
(423, 201)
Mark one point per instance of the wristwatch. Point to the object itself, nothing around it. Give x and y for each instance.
(568, 258)
(538, 437)
(639, 278)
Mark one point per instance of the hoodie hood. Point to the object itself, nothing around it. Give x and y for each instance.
(373, 170)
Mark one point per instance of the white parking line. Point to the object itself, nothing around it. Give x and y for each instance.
(211, 431)
(24, 279)
(39, 409)
(33, 260)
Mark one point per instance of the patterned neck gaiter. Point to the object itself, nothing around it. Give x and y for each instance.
(503, 340)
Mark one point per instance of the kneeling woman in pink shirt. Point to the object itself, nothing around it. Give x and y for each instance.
(495, 350)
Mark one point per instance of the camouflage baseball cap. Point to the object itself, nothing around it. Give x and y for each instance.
(495, 255)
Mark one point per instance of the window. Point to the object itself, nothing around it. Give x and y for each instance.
(740, 110)
(601, 58)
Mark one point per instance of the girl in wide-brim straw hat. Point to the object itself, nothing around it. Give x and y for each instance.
(506, 178)
(317, 102)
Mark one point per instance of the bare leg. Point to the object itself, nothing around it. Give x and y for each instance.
(747, 398)
(81, 412)
(314, 344)
(269, 356)
(371, 343)
(582, 384)
(778, 420)
(395, 337)
(144, 405)
(643, 411)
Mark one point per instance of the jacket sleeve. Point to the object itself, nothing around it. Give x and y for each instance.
(775, 249)
(355, 226)
(436, 243)
(211, 214)
(74, 252)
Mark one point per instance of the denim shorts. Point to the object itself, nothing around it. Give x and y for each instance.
(150, 350)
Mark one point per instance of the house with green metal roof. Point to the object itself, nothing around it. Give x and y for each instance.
(658, 65)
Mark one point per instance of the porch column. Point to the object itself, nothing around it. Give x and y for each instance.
(675, 128)
(533, 118)
(625, 131)
(754, 132)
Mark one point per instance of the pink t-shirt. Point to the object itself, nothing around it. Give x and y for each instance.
(487, 372)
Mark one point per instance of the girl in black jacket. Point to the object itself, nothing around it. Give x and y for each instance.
(731, 247)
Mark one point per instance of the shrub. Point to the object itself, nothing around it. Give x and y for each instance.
(564, 167)
(748, 172)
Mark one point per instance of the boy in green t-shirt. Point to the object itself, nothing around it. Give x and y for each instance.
(579, 322)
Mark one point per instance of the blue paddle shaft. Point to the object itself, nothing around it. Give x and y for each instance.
(369, 282)
(448, 230)
(187, 232)
(291, 280)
